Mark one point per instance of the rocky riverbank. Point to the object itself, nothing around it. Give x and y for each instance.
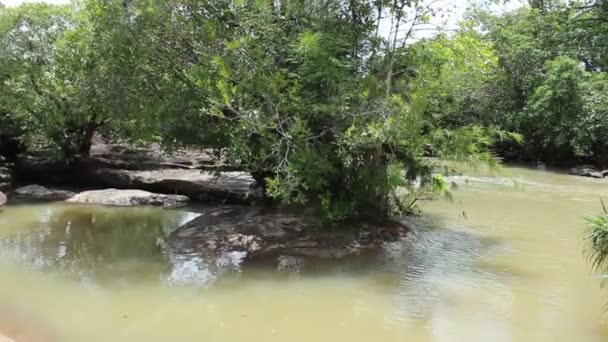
(119, 176)
(198, 174)
(255, 231)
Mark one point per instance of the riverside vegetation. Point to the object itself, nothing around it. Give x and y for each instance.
(317, 100)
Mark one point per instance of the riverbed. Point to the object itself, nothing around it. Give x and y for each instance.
(501, 261)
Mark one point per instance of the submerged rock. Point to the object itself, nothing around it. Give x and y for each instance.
(261, 231)
(129, 198)
(40, 193)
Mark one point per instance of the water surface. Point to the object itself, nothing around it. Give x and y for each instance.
(501, 262)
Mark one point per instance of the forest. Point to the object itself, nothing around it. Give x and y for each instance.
(335, 102)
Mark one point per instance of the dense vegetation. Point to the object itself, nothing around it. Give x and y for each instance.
(315, 98)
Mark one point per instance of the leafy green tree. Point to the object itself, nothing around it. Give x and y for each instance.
(449, 74)
(593, 126)
(556, 108)
(551, 66)
(53, 79)
(307, 96)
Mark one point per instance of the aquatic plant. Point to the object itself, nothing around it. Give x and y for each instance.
(597, 242)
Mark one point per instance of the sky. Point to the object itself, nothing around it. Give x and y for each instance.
(449, 13)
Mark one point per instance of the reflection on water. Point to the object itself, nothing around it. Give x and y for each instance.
(88, 241)
(502, 262)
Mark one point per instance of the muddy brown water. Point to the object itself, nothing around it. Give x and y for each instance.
(503, 261)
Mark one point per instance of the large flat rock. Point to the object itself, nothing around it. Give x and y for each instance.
(231, 187)
(37, 192)
(260, 231)
(129, 198)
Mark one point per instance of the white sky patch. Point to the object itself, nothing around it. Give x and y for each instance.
(447, 16)
(19, 2)
(448, 13)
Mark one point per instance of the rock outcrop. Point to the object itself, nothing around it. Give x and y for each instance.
(261, 232)
(36, 192)
(197, 174)
(129, 198)
(206, 186)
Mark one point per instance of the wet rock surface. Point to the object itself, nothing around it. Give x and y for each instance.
(36, 192)
(129, 198)
(261, 232)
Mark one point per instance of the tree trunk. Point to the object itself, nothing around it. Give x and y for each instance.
(87, 136)
(380, 169)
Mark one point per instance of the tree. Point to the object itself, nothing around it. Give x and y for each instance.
(51, 84)
(556, 107)
(551, 64)
(305, 95)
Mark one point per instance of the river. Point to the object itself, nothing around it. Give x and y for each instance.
(502, 261)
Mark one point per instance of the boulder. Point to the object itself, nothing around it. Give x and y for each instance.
(129, 198)
(40, 193)
(261, 232)
(2, 199)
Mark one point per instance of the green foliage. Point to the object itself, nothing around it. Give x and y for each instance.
(448, 75)
(593, 126)
(307, 96)
(549, 85)
(39, 87)
(556, 104)
(597, 241)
